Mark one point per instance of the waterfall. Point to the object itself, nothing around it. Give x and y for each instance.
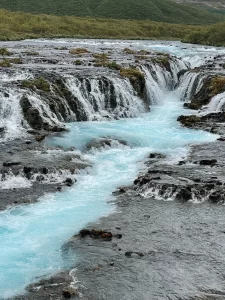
(160, 79)
(216, 104)
(10, 115)
(104, 98)
(189, 85)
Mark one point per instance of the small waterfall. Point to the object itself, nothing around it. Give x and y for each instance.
(10, 115)
(189, 85)
(104, 98)
(160, 79)
(216, 104)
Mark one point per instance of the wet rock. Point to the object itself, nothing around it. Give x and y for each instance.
(221, 139)
(69, 292)
(69, 182)
(103, 142)
(2, 129)
(84, 232)
(216, 197)
(142, 180)
(118, 236)
(11, 163)
(184, 194)
(107, 235)
(40, 137)
(157, 155)
(96, 234)
(208, 162)
(128, 253)
(189, 121)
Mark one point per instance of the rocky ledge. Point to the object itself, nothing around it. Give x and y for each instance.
(30, 168)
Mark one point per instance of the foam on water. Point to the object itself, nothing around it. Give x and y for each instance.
(32, 236)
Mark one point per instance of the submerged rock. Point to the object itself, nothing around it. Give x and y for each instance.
(104, 142)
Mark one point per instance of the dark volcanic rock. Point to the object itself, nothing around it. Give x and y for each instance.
(208, 162)
(104, 142)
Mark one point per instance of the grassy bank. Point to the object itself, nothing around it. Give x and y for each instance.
(20, 25)
(210, 35)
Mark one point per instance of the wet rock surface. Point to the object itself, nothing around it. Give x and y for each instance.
(29, 170)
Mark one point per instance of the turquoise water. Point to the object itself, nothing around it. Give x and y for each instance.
(32, 236)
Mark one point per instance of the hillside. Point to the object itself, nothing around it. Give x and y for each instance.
(210, 35)
(20, 25)
(215, 4)
(155, 10)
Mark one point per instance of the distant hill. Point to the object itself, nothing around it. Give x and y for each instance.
(155, 10)
(215, 4)
(212, 6)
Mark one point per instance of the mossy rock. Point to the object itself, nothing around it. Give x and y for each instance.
(136, 77)
(163, 60)
(129, 51)
(78, 51)
(5, 63)
(39, 83)
(217, 85)
(5, 52)
(101, 56)
(78, 62)
(189, 121)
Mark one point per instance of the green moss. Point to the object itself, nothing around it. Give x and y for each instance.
(78, 62)
(101, 56)
(132, 73)
(189, 121)
(39, 83)
(136, 78)
(5, 63)
(5, 52)
(129, 51)
(75, 51)
(113, 65)
(144, 52)
(217, 85)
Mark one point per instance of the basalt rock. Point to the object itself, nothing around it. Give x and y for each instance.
(157, 155)
(104, 142)
(208, 162)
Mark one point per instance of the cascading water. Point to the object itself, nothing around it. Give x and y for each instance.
(105, 98)
(32, 236)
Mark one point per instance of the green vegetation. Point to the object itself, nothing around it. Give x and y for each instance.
(14, 26)
(155, 10)
(217, 85)
(7, 63)
(210, 35)
(132, 73)
(100, 56)
(129, 51)
(78, 62)
(38, 83)
(78, 51)
(18, 25)
(5, 52)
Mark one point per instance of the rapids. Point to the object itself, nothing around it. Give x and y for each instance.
(32, 235)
